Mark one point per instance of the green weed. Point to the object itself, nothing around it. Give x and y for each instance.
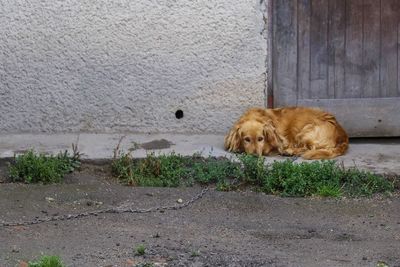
(195, 253)
(253, 169)
(162, 171)
(361, 183)
(285, 178)
(213, 170)
(32, 167)
(47, 261)
(302, 179)
(140, 250)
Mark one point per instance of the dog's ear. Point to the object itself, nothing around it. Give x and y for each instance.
(270, 133)
(233, 140)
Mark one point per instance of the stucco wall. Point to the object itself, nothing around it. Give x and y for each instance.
(123, 65)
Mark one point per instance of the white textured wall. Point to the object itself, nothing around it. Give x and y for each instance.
(128, 65)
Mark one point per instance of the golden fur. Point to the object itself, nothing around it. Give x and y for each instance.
(294, 131)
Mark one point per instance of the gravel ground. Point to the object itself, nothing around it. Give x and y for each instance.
(221, 229)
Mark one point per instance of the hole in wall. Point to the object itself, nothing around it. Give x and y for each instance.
(179, 114)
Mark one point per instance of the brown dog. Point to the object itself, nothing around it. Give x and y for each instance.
(293, 131)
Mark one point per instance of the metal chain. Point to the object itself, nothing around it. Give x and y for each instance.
(117, 210)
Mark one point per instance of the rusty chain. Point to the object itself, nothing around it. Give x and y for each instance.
(117, 210)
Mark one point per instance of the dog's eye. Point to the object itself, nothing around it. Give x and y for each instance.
(247, 140)
(260, 139)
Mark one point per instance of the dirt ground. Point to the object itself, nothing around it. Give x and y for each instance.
(221, 229)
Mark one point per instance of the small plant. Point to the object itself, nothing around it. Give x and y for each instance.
(161, 171)
(195, 253)
(303, 179)
(47, 261)
(213, 170)
(361, 183)
(140, 250)
(32, 167)
(323, 178)
(122, 168)
(173, 170)
(254, 169)
(285, 178)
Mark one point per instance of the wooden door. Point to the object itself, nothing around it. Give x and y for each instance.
(340, 55)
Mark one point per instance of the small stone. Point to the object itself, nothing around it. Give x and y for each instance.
(23, 264)
(117, 244)
(157, 235)
(179, 201)
(382, 264)
(15, 249)
(50, 199)
(364, 258)
(130, 262)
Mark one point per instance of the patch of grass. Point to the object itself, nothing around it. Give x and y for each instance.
(173, 170)
(161, 171)
(323, 178)
(32, 167)
(303, 179)
(361, 183)
(195, 253)
(216, 171)
(47, 261)
(140, 250)
(285, 178)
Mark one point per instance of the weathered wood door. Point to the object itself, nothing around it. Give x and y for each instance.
(340, 55)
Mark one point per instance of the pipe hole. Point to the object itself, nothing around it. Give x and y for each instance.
(179, 114)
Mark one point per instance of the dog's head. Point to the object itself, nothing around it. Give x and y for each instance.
(251, 136)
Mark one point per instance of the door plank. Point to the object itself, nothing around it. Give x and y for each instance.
(319, 49)
(353, 64)
(364, 116)
(336, 51)
(389, 48)
(354, 44)
(398, 49)
(303, 67)
(371, 49)
(285, 52)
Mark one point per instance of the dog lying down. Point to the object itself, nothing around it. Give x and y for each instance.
(293, 131)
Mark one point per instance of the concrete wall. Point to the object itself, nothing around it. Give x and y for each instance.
(124, 65)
